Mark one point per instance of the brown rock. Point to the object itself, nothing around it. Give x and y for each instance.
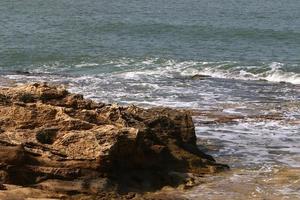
(61, 142)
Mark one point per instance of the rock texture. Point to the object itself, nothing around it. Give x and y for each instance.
(64, 145)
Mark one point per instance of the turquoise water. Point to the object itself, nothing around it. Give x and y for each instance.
(146, 52)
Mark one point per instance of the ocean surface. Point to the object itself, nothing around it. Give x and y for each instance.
(147, 52)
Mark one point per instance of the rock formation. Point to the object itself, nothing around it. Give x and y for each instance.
(58, 144)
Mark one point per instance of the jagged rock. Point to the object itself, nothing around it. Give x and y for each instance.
(50, 138)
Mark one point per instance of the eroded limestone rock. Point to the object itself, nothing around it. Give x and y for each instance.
(56, 141)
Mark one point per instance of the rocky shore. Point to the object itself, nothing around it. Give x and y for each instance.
(58, 145)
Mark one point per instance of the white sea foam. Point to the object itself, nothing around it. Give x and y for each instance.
(280, 76)
(256, 142)
(140, 68)
(274, 72)
(86, 65)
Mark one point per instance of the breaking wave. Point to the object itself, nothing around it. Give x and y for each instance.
(129, 68)
(273, 72)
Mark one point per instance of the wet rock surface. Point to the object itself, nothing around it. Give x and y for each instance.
(54, 144)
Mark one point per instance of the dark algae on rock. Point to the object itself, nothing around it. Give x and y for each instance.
(55, 144)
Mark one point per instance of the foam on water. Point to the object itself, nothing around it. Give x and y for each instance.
(84, 64)
(255, 143)
(273, 73)
(157, 67)
(263, 133)
(277, 75)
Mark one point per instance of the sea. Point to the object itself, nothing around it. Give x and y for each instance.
(236, 59)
